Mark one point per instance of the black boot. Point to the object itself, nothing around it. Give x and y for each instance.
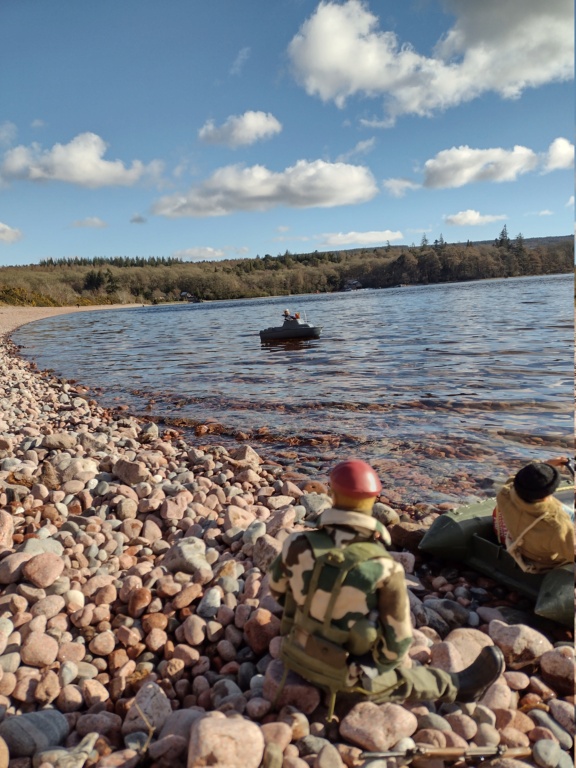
(475, 680)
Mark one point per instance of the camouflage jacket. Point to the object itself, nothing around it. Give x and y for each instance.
(375, 589)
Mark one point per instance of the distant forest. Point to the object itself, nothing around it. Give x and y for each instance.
(123, 280)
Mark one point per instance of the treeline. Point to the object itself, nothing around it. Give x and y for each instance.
(126, 280)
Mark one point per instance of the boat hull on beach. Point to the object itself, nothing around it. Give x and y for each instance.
(466, 535)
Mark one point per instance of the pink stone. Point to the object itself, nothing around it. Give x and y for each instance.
(468, 642)
(131, 472)
(225, 742)
(11, 567)
(446, 656)
(70, 699)
(6, 529)
(375, 727)
(296, 690)
(277, 733)
(93, 692)
(39, 650)
(103, 643)
(519, 643)
(237, 517)
(260, 628)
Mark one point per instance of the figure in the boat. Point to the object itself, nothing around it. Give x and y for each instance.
(287, 316)
(535, 526)
(346, 624)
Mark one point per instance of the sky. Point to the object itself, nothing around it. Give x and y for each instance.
(237, 128)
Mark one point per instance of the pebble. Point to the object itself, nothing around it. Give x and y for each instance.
(134, 594)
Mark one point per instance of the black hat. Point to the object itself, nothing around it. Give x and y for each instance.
(536, 481)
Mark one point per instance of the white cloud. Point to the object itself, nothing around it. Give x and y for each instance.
(545, 212)
(91, 222)
(570, 202)
(200, 254)
(305, 185)
(362, 148)
(560, 155)
(9, 234)
(458, 166)
(500, 46)
(399, 187)
(360, 238)
(239, 61)
(472, 218)
(78, 162)
(8, 132)
(38, 123)
(241, 130)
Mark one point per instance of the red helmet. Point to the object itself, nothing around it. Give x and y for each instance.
(355, 478)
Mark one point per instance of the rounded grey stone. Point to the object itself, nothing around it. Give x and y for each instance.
(33, 732)
(546, 753)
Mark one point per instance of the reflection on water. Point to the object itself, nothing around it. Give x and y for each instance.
(428, 380)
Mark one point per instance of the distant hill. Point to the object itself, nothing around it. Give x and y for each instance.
(125, 280)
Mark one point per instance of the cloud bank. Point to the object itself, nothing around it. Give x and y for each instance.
(304, 185)
(459, 166)
(499, 46)
(240, 130)
(92, 222)
(200, 254)
(472, 218)
(341, 239)
(9, 234)
(80, 162)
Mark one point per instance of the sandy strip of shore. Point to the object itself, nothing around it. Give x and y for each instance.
(13, 317)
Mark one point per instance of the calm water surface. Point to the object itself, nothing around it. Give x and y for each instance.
(441, 387)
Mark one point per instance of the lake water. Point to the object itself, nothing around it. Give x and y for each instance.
(442, 388)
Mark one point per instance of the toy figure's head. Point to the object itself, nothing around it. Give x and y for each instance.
(354, 486)
(535, 481)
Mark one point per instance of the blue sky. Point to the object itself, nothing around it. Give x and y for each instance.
(226, 129)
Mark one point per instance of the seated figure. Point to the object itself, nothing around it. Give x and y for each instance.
(346, 624)
(534, 525)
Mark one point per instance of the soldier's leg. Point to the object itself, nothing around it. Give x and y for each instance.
(415, 684)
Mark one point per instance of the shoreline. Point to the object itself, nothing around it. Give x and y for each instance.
(134, 601)
(13, 317)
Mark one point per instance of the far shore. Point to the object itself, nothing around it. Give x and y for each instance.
(12, 317)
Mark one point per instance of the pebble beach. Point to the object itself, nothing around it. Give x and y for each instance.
(137, 626)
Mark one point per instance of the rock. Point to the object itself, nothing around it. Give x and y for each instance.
(519, 644)
(131, 472)
(39, 650)
(266, 549)
(563, 714)
(557, 669)
(547, 753)
(43, 570)
(296, 691)
(75, 757)
(34, 731)
(544, 719)
(376, 728)
(225, 742)
(260, 628)
(6, 529)
(154, 708)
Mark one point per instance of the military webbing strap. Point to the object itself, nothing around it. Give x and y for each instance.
(344, 559)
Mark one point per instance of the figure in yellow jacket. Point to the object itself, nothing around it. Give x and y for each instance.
(531, 521)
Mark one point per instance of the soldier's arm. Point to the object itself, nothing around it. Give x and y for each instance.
(394, 611)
